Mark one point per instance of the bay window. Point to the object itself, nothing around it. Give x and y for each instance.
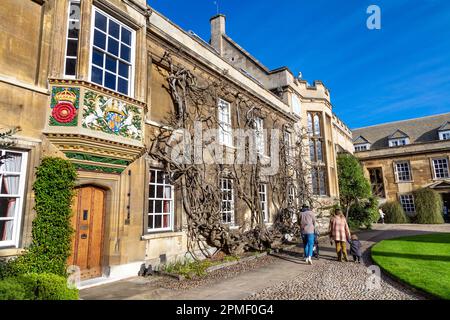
(112, 53)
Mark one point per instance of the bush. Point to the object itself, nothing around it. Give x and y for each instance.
(429, 207)
(11, 289)
(47, 286)
(394, 212)
(363, 213)
(34, 286)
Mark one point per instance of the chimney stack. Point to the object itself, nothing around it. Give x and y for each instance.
(217, 32)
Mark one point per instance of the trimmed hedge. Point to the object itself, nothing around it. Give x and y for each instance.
(12, 289)
(394, 212)
(34, 286)
(429, 207)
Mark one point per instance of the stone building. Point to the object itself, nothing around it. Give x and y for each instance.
(85, 80)
(401, 157)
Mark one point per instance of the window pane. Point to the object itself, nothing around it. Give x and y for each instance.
(152, 191)
(111, 64)
(123, 86)
(166, 206)
(114, 29)
(97, 58)
(125, 53)
(159, 192)
(158, 206)
(13, 162)
(7, 207)
(167, 192)
(73, 30)
(113, 46)
(166, 221)
(10, 184)
(152, 175)
(71, 66)
(99, 39)
(160, 177)
(97, 75)
(110, 81)
(100, 21)
(6, 230)
(150, 206)
(150, 221)
(72, 46)
(158, 221)
(123, 69)
(126, 36)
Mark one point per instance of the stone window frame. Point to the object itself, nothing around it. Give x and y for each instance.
(19, 196)
(225, 129)
(164, 184)
(396, 171)
(407, 202)
(229, 215)
(70, 20)
(263, 197)
(132, 63)
(315, 129)
(382, 178)
(433, 168)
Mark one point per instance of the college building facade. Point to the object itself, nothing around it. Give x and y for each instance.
(401, 157)
(86, 80)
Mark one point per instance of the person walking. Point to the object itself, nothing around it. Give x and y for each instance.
(340, 233)
(308, 222)
(380, 211)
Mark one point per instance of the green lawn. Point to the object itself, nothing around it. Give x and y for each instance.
(422, 261)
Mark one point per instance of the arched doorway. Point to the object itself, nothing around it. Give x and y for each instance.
(88, 223)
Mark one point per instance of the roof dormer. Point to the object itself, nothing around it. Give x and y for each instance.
(398, 138)
(361, 144)
(444, 131)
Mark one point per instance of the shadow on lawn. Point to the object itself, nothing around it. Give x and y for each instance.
(412, 256)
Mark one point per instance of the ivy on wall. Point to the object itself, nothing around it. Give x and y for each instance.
(52, 230)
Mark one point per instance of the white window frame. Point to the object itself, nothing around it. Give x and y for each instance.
(231, 201)
(360, 147)
(259, 136)
(398, 142)
(132, 58)
(288, 143)
(225, 130)
(444, 135)
(151, 215)
(433, 164)
(20, 196)
(69, 20)
(262, 192)
(407, 200)
(397, 179)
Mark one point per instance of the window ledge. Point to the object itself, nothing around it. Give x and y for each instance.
(9, 252)
(161, 235)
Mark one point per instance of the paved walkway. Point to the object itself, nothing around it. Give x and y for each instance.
(287, 277)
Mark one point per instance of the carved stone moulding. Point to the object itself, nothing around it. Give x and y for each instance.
(95, 154)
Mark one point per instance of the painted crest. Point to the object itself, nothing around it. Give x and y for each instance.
(64, 106)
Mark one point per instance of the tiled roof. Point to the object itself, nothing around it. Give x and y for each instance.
(419, 130)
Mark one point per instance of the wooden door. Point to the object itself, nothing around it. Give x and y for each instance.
(87, 221)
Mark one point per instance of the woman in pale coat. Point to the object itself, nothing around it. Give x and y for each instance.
(340, 233)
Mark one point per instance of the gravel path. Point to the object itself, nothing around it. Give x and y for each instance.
(216, 276)
(328, 279)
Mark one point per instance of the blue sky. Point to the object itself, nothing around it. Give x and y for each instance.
(399, 72)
